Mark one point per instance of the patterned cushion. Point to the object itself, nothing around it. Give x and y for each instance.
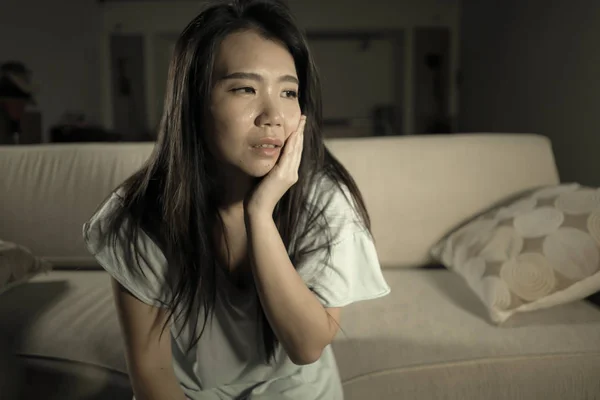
(534, 251)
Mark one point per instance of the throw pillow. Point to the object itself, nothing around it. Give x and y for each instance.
(536, 251)
(17, 265)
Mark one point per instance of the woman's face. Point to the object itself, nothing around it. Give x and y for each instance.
(254, 104)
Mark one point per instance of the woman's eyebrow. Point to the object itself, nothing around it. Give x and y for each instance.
(257, 77)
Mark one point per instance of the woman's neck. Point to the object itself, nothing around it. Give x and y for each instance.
(232, 189)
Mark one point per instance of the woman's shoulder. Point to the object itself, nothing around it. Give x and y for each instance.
(335, 206)
(131, 257)
(98, 225)
(331, 195)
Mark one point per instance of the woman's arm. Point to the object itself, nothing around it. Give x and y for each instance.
(148, 355)
(302, 325)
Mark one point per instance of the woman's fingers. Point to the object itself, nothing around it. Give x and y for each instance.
(299, 145)
(292, 151)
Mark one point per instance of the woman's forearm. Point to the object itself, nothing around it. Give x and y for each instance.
(300, 322)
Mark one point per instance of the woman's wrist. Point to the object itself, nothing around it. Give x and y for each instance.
(254, 211)
(257, 221)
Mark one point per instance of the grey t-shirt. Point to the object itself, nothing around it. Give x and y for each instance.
(228, 360)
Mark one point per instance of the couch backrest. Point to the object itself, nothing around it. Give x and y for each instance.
(415, 187)
(49, 191)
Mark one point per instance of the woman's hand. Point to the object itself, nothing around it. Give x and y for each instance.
(263, 199)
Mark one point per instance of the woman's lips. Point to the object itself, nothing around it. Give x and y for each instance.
(267, 147)
(266, 150)
(267, 141)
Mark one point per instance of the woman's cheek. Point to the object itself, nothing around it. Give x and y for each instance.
(292, 122)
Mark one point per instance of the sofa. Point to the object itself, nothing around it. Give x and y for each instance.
(431, 338)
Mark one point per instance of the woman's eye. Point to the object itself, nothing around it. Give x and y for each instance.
(244, 90)
(291, 94)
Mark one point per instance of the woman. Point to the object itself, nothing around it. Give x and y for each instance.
(241, 234)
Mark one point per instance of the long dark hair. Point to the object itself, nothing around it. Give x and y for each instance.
(172, 197)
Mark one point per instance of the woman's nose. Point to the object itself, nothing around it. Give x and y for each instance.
(270, 114)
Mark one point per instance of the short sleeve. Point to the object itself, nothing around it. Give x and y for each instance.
(350, 271)
(148, 282)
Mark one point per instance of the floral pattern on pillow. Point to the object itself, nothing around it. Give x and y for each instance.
(536, 251)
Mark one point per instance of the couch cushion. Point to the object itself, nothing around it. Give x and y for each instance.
(431, 339)
(63, 328)
(428, 339)
(68, 315)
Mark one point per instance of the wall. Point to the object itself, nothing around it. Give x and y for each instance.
(339, 63)
(128, 86)
(342, 62)
(156, 20)
(532, 66)
(66, 42)
(59, 41)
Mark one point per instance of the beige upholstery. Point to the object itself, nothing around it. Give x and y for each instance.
(49, 191)
(429, 339)
(416, 188)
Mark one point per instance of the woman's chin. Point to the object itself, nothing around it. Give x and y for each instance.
(259, 170)
(259, 173)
